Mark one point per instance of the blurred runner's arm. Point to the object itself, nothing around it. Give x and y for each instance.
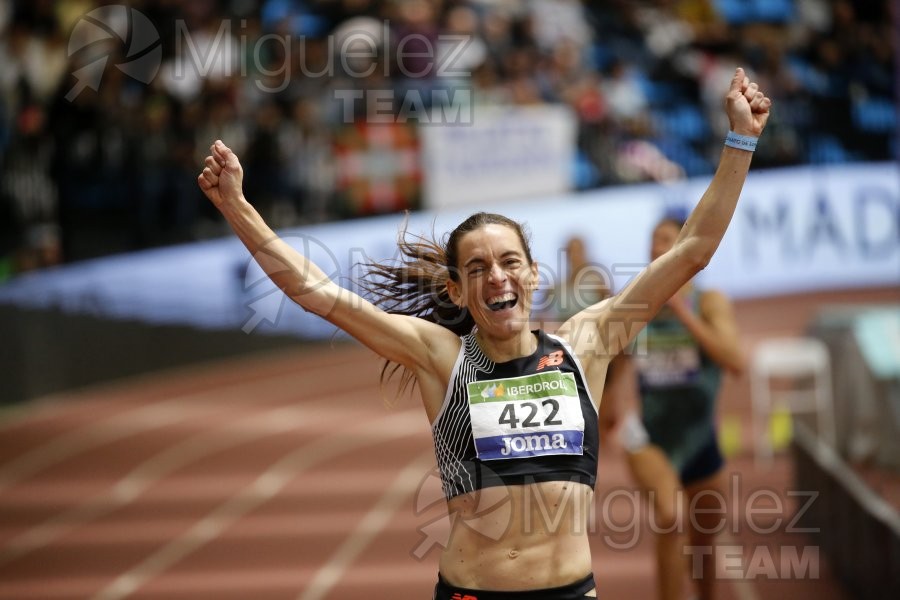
(714, 328)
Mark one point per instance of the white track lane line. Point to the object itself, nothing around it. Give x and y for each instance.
(265, 487)
(400, 490)
(130, 487)
(160, 414)
(284, 365)
(81, 440)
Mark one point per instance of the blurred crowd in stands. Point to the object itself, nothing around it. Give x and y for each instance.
(105, 116)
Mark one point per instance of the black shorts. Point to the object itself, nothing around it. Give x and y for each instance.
(572, 591)
(705, 463)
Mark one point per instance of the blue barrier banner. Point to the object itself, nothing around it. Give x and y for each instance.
(795, 230)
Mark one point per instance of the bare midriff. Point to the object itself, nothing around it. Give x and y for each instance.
(519, 537)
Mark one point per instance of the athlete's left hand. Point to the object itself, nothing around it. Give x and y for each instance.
(746, 105)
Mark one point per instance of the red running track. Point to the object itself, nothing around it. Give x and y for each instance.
(286, 476)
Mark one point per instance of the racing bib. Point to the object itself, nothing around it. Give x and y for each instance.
(531, 415)
(670, 359)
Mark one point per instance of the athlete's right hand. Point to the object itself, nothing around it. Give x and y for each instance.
(223, 176)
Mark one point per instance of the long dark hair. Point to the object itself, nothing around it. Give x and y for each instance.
(415, 284)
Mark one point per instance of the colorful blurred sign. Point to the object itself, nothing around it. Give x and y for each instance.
(378, 169)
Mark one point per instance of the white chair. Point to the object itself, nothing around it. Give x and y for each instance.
(799, 358)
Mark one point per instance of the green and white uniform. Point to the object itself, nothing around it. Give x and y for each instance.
(678, 387)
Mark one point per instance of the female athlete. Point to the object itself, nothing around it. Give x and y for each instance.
(511, 414)
(672, 449)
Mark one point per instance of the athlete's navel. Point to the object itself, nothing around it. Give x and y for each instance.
(513, 553)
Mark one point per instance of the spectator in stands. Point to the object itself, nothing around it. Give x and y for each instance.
(28, 196)
(625, 68)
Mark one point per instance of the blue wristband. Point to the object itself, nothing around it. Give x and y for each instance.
(741, 142)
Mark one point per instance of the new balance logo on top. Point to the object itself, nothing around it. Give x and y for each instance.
(458, 596)
(554, 359)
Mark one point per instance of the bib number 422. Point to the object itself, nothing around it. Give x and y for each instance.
(510, 417)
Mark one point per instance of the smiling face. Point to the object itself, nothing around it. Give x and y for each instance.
(496, 280)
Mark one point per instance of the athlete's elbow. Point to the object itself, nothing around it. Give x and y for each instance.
(696, 252)
(698, 257)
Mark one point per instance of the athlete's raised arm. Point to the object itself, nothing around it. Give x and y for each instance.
(406, 340)
(605, 329)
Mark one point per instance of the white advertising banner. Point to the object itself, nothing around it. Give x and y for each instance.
(504, 153)
(795, 230)
(810, 229)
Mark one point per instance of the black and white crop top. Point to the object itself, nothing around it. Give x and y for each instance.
(527, 420)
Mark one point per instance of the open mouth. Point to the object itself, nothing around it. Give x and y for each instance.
(505, 301)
